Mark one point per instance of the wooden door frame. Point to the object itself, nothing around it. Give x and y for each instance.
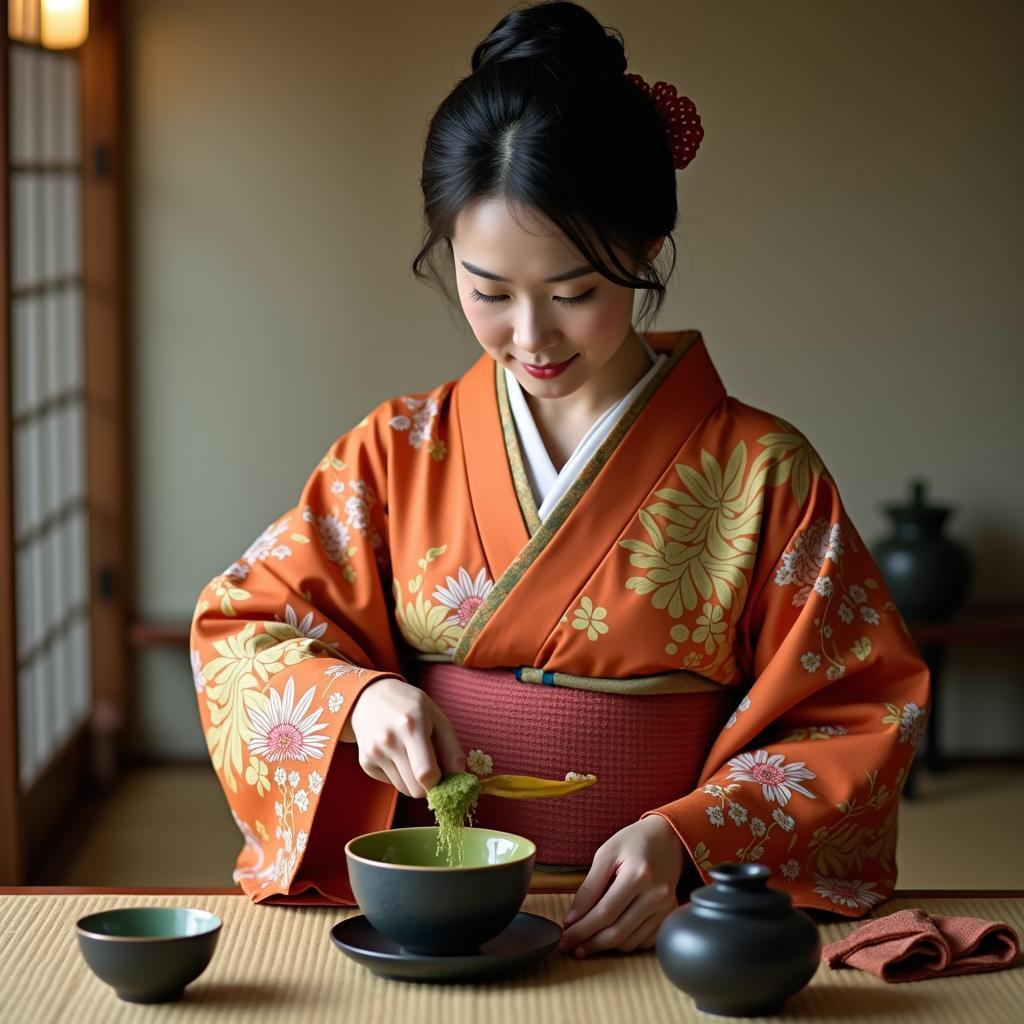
(12, 854)
(107, 382)
(92, 754)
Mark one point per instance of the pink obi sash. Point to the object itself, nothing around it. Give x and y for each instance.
(645, 749)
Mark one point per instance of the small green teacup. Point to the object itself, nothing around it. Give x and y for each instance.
(410, 894)
(148, 954)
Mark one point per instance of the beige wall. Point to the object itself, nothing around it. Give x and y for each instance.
(850, 245)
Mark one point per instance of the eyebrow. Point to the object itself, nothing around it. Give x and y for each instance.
(567, 276)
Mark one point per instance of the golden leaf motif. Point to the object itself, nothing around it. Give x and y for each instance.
(226, 589)
(702, 856)
(236, 679)
(423, 624)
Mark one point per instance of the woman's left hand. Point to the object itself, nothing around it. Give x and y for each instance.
(643, 862)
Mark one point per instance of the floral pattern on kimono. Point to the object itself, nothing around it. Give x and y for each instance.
(721, 549)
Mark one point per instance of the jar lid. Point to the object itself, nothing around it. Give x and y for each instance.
(744, 889)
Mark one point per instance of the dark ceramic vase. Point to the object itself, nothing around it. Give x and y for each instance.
(927, 573)
(739, 947)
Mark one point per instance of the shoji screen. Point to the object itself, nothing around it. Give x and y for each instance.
(47, 402)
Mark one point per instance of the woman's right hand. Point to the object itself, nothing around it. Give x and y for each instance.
(397, 727)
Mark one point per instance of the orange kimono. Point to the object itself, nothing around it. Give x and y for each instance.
(705, 537)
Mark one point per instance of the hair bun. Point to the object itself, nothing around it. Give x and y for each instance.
(559, 33)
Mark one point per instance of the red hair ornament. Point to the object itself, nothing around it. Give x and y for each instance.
(678, 115)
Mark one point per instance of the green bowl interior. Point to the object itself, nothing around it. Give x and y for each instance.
(149, 923)
(417, 847)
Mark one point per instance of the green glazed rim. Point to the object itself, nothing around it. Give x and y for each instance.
(529, 849)
(86, 925)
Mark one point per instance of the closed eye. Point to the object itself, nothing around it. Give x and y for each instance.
(575, 301)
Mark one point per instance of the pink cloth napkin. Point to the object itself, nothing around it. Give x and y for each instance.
(912, 945)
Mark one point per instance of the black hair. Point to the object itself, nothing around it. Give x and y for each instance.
(549, 122)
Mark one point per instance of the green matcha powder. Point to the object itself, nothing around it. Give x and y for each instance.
(452, 800)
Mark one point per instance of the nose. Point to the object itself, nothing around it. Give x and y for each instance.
(532, 336)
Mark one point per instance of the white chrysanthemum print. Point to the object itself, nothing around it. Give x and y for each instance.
(738, 813)
(811, 547)
(715, 816)
(858, 593)
(280, 775)
(315, 782)
(293, 778)
(334, 537)
(823, 586)
(302, 800)
(305, 625)
(810, 661)
(334, 703)
(255, 868)
(869, 615)
(740, 708)
(791, 869)
(343, 668)
(912, 719)
(463, 595)
(286, 732)
(357, 506)
(847, 894)
(300, 841)
(423, 412)
(197, 672)
(783, 820)
(266, 545)
(830, 730)
(579, 776)
(846, 613)
(712, 790)
(236, 571)
(776, 778)
(757, 827)
(479, 763)
(835, 672)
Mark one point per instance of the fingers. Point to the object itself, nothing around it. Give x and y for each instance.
(644, 937)
(633, 927)
(395, 771)
(592, 888)
(391, 775)
(410, 784)
(607, 910)
(423, 766)
(452, 756)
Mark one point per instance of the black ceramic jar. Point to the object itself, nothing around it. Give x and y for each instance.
(928, 573)
(739, 947)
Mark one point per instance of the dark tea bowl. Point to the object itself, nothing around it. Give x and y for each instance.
(410, 894)
(148, 954)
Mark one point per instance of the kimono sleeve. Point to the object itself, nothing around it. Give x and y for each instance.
(283, 642)
(806, 775)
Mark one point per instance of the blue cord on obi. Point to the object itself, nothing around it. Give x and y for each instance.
(547, 678)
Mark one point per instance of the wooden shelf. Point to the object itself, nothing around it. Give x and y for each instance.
(158, 634)
(1002, 624)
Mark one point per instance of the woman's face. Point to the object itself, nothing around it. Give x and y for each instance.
(553, 335)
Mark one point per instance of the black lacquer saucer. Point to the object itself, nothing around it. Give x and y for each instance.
(527, 939)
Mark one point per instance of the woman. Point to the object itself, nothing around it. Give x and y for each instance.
(580, 556)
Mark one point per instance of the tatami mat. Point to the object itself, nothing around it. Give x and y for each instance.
(277, 964)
